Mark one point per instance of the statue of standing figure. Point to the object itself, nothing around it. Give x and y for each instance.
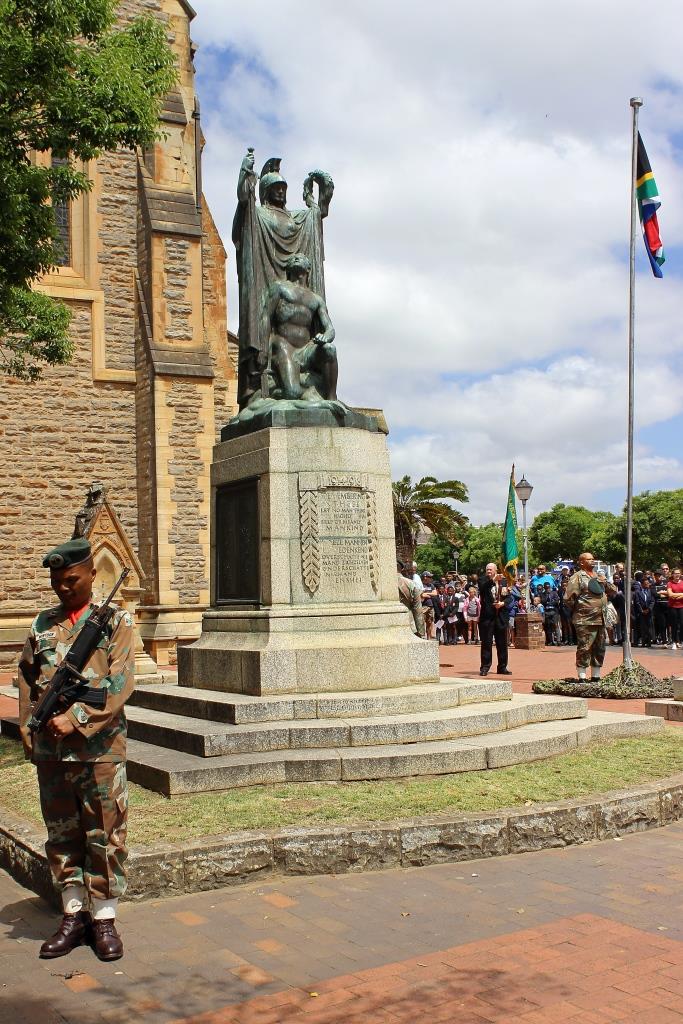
(286, 350)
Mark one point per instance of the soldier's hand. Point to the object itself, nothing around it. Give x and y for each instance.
(60, 726)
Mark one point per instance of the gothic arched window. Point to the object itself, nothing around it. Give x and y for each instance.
(63, 220)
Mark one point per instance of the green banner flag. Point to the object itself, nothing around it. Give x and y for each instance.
(510, 554)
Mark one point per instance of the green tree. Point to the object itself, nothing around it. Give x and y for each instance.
(657, 528)
(608, 539)
(657, 531)
(482, 544)
(564, 531)
(436, 555)
(421, 506)
(72, 83)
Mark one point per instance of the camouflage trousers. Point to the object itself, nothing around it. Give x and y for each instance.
(85, 807)
(590, 645)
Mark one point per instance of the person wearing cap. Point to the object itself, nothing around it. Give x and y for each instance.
(80, 758)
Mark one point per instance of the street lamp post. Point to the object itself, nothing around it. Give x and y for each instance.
(523, 490)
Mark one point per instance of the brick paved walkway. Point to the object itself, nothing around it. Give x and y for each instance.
(588, 934)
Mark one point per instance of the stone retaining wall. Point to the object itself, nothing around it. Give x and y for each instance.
(215, 861)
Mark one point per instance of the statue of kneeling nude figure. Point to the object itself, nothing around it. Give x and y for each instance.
(302, 358)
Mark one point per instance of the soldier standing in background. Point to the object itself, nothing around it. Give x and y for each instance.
(80, 758)
(410, 595)
(586, 596)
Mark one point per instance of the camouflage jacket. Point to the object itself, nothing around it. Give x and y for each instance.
(588, 609)
(99, 735)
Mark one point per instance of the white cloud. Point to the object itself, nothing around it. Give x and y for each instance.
(564, 427)
(480, 220)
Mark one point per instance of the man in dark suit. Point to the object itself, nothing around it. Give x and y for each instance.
(493, 621)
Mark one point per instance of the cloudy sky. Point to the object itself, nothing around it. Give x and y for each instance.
(477, 243)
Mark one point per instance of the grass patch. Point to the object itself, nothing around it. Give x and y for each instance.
(594, 769)
(620, 684)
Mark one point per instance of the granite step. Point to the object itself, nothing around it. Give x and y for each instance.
(214, 739)
(173, 772)
(243, 709)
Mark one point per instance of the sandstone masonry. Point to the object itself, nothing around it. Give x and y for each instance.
(151, 383)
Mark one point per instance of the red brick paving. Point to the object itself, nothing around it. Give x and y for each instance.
(524, 977)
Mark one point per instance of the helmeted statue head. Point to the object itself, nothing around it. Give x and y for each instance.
(270, 176)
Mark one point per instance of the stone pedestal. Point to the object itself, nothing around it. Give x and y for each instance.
(672, 710)
(303, 569)
(529, 632)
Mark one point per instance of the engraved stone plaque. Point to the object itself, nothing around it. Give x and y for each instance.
(339, 548)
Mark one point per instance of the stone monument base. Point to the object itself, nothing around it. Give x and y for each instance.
(671, 710)
(304, 650)
(267, 414)
(304, 591)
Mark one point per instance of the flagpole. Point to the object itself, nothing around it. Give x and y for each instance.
(636, 102)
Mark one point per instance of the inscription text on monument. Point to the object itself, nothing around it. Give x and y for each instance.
(338, 536)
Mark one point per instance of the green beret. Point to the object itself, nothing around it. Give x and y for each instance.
(65, 555)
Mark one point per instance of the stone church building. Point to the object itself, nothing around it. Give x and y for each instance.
(150, 385)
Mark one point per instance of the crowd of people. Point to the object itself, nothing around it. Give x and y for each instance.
(451, 605)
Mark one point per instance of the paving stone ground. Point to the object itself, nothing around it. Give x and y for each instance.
(557, 662)
(587, 934)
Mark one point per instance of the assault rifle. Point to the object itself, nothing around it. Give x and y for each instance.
(68, 684)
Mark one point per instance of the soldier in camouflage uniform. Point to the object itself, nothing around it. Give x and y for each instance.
(80, 758)
(586, 596)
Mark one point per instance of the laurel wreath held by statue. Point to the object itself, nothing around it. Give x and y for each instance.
(325, 190)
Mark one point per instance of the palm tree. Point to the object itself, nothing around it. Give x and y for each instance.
(417, 507)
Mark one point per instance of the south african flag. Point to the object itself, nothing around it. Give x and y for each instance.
(648, 204)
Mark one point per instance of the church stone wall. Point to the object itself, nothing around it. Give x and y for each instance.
(215, 320)
(150, 385)
(56, 437)
(117, 205)
(189, 522)
(145, 464)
